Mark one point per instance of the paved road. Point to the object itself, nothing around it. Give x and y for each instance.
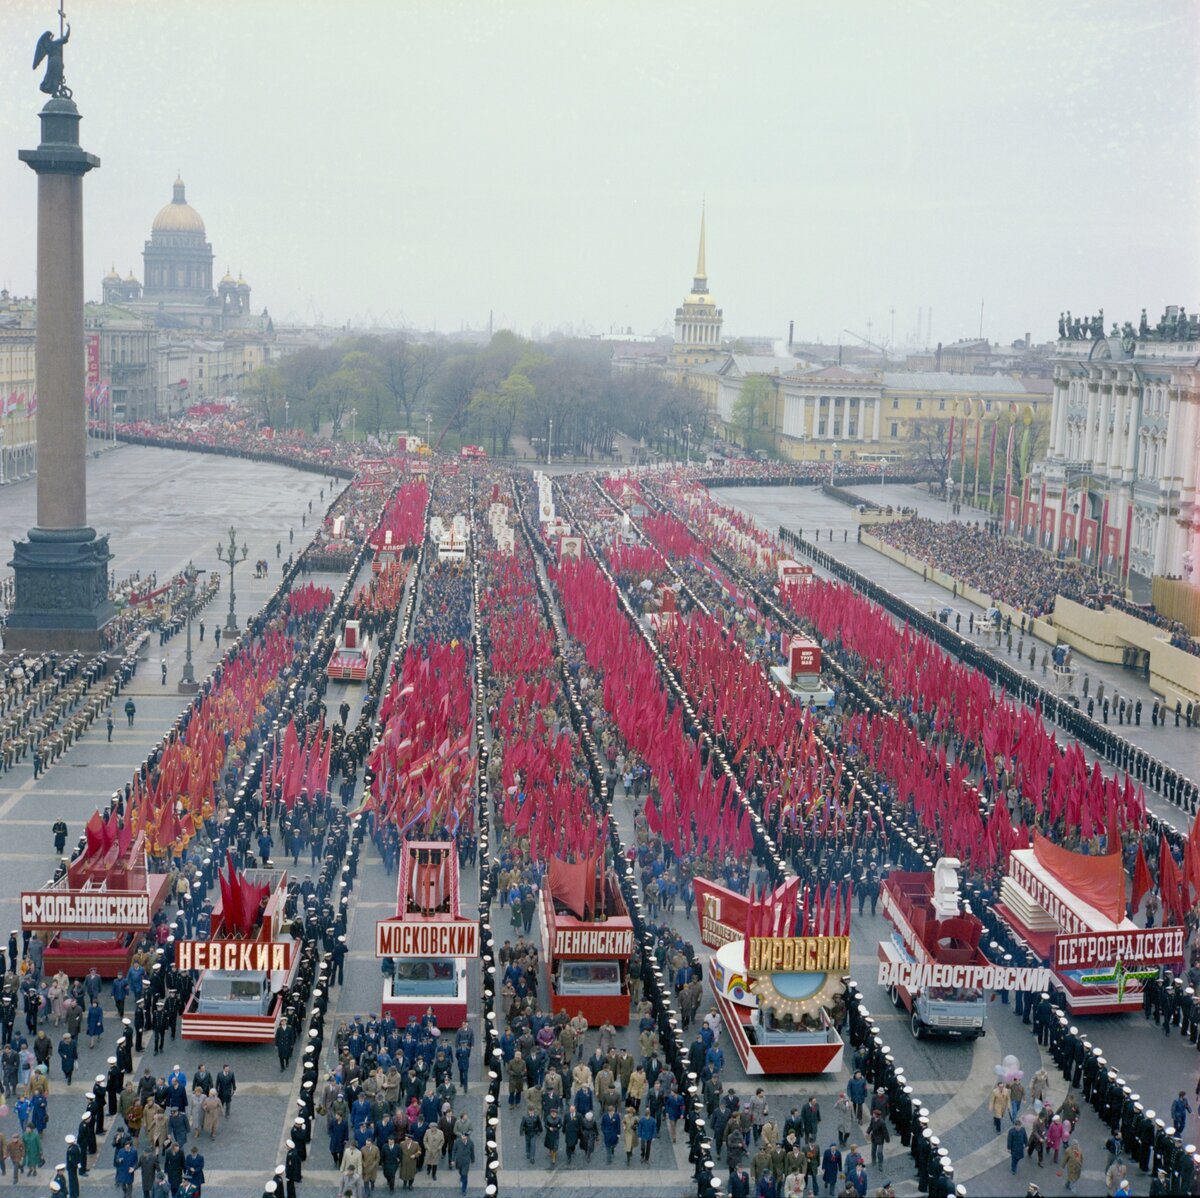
(162, 507)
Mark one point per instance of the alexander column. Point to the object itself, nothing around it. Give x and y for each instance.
(61, 571)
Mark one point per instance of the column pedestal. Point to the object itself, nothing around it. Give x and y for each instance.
(62, 602)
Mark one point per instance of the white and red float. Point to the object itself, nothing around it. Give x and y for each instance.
(800, 674)
(932, 965)
(246, 964)
(92, 917)
(351, 656)
(1070, 909)
(385, 549)
(775, 989)
(428, 942)
(663, 616)
(792, 572)
(588, 939)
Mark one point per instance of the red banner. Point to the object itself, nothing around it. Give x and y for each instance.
(1067, 535)
(1047, 541)
(1098, 880)
(1087, 540)
(1029, 521)
(1012, 515)
(93, 357)
(1112, 550)
(721, 912)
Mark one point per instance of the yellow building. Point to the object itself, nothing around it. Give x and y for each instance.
(838, 412)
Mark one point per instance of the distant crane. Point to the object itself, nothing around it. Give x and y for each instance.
(867, 341)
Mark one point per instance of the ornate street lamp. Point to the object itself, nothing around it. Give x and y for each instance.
(187, 683)
(229, 555)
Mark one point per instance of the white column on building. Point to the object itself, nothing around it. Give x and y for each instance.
(1089, 436)
(1101, 447)
(1183, 446)
(1175, 415)
(878, 409)
(1058, 421)
(1131, 441)
(1116, 451)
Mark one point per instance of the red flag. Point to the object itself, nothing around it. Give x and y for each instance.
(1170, 883)
(1142, 881)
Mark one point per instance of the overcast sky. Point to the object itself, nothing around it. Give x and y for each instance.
(422, 163)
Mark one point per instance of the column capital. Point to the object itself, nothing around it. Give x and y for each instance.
(59, 151)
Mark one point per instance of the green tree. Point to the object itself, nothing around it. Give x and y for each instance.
(264, 392)
(406, 369)
(752, 409)
(369, 397)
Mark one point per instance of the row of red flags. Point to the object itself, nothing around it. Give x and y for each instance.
(171, 805)
(697, 811)
(403, 517)
(309, 598)
(241, 901)
(540, 802)
(423, 764)
(294, 767)
(1057, 781)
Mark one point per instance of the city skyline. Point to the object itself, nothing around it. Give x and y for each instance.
(425, 165)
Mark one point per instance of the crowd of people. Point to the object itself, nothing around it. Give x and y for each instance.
(1020, 575)
(390, 1101)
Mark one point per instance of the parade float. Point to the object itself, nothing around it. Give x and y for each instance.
(800, 674)
(246, 964)
(91, 916)
(351, 656)
(426, 946)
(588, 939)
(778, 992)
(932, 965)
(1070, 909)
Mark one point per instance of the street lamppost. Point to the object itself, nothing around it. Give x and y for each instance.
(187, 683)
(949, 485)
(286, 414)
(428, 429)
(550, 441)
(353, 417)
(833, 463)
(229, 555)
(687, 444)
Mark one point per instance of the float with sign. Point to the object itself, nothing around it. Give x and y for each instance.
(426, 947)
(792, 573)
(92, 916)
(246, 964)
(801, 672)
(351, 657)
(588, 940)
(932, 965)
(1070, 909)
(780, 993)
